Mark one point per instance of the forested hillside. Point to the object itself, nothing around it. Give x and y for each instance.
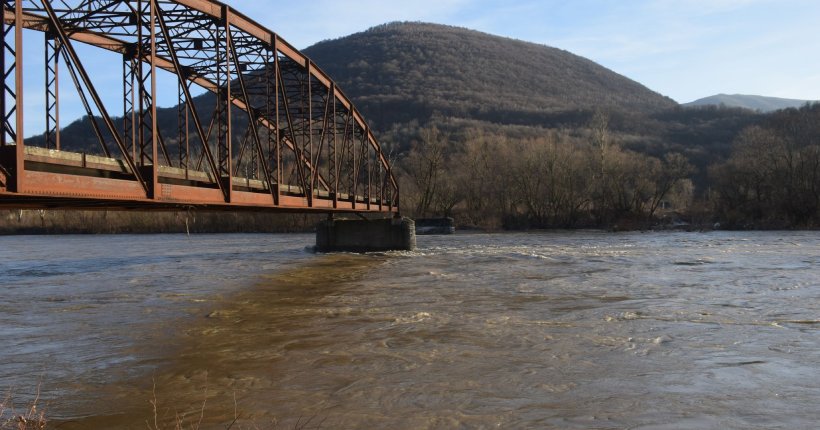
(404, 71)
(404, 77)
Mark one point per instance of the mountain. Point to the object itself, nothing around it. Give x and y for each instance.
(407, 76)
(765, 104)
(400, 72)
(404, 76)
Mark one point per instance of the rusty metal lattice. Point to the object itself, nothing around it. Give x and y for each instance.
(305, 148)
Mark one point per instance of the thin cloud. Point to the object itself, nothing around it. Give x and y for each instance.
(703, 7)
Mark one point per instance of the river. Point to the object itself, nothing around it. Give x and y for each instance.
(524, 330)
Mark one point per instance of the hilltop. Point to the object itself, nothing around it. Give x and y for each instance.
(764, 104)
(400, 72)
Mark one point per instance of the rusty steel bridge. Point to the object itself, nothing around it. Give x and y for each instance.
(305, 149)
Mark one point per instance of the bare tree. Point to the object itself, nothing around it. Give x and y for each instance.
(424, 164)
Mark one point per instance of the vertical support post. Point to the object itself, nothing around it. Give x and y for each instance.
(363, 158)
(148, 130)
(254, 158)
(308, 152)
(351, 157)
(367, 149)
(334, 157)
(223, 66)
(390, 190)
(129, 67)
(254, 162)
(140, 76)
(182, 122)
(277, 76)
(253, 120)
(272, 116)
(380, 189)
(52, 52)
(19, 170)
(154, 125)
(272, 111)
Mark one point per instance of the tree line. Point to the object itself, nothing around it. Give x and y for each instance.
(586, 177)
(772, 178)
(553, 181)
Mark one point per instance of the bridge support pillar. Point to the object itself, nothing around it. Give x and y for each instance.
(361, 235)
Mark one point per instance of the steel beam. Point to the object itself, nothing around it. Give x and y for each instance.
(52, 50)
(223, 80)
(19, 167)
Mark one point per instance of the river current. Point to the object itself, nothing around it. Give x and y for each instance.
(530, 330)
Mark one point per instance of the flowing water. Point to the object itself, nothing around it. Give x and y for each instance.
(542, 330)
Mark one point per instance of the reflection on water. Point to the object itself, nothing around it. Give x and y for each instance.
(579, 329)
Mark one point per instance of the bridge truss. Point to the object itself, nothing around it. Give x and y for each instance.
(305, 148)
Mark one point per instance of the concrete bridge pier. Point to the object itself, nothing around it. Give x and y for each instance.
(365, 235)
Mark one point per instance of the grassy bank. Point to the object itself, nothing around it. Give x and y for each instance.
(105, 222)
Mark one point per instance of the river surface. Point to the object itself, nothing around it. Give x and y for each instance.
(541, 330)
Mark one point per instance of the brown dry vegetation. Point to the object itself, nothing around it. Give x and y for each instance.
(104, 222)
(39, 415)
(590, 178)
(772, 179)
(33, 416)
(554, 181)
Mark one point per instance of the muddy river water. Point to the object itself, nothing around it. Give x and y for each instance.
(532, 330)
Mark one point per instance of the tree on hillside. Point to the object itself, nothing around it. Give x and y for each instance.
(773, 174)
(424, 164)
(599, 125)
(666, 175)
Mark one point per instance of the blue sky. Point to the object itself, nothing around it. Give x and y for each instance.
(684, 49)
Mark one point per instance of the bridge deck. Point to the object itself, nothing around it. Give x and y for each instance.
(68, 180)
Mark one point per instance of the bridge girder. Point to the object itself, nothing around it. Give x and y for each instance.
(306, 147)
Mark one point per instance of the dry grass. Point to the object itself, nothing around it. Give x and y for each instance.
(36, 416)
(105, 222)
(193, 416)
(31, 417)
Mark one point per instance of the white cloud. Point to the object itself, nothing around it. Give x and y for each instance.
(702, 7)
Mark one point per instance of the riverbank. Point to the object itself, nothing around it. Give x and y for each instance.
(33, 222)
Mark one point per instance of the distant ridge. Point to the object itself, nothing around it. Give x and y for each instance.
(765, 104)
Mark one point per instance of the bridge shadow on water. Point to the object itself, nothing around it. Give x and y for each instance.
(256, 354)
